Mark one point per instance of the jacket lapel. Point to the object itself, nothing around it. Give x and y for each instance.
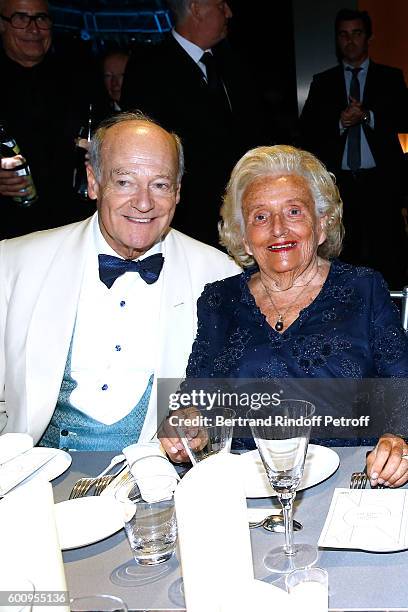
(51, 327)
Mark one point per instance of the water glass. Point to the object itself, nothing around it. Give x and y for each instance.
(309, 589)
(151, 528)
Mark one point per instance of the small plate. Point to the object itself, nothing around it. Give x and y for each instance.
(86, 520)
(321, 462)
(56, 466)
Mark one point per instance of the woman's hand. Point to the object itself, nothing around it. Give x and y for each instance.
(179, 423)
(387, 464)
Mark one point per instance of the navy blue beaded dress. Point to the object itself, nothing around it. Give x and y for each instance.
(351, 330)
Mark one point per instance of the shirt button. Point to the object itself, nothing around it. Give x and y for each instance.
(64, 432)
(122, 303)
(118, 347)
(104, 387)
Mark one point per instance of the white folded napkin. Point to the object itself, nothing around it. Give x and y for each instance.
(153, 472)
(214, 540)
(29, 539)
(13, 444)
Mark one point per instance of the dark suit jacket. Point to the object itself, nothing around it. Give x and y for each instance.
(44, 107)
(384, 94)
(168, 85)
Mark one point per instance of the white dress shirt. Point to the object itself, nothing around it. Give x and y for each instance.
(115, 339)
(193, 50)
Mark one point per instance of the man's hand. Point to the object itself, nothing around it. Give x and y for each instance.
(353, 114)
(386, 464)
(11, 185)
(171, 430)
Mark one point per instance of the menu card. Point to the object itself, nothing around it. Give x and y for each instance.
(372, 520)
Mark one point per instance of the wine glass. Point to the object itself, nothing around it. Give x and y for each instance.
(282, 437)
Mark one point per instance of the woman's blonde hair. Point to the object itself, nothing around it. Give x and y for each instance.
(275, 161)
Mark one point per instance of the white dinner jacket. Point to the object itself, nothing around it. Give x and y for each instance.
(40, 283)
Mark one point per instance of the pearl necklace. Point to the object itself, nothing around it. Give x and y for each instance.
(281, 315)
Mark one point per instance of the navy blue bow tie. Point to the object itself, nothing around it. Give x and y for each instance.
(110, 268)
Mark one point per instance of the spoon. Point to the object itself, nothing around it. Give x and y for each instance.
(274, 523)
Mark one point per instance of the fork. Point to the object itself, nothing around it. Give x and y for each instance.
(358, 480)
(82, 486)
(102, 483)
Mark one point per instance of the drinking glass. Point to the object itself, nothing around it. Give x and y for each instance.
(151, 528)
(205, 433)
(282, 437)
(309, 588)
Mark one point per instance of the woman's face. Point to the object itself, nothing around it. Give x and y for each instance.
(282, 230)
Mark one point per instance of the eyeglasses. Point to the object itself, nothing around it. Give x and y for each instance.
(21, 21)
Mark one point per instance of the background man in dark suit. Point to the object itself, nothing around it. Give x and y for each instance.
(193, 85)
(44, 100)
(351, 121)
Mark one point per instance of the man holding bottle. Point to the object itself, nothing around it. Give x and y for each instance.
(44, 103)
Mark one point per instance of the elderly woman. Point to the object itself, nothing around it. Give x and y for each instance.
(296, 311)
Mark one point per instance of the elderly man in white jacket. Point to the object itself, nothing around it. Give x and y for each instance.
(91, 314)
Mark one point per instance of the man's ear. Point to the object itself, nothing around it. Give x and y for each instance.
(195, 10)
(93, 184)
(178, 193)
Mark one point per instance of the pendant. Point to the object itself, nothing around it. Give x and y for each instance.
(279, 325)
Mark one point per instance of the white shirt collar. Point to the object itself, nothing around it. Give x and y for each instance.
(364, 65)
(193, 50)
(101, 246)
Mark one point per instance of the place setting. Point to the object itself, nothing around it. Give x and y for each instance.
(20, 461)
(282, 464)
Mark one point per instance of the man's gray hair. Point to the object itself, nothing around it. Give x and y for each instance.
(272, 162)
(95, 150)
(179, 8)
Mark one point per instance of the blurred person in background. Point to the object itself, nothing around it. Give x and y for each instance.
(44, 102)
(195, 84)
(113, 67)
(351, 120)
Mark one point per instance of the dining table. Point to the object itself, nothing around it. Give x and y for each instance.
(358, 580)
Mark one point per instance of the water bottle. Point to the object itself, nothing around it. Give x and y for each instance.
(80, 180)
(14, 161)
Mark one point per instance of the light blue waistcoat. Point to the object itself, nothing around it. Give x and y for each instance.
(71, 429)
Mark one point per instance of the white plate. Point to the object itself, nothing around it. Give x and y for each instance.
(321, 462)
(56, 466)
(86, 520)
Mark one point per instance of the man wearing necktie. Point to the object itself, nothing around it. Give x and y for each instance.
(195, 84)
(351, 120)
(91, 314)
